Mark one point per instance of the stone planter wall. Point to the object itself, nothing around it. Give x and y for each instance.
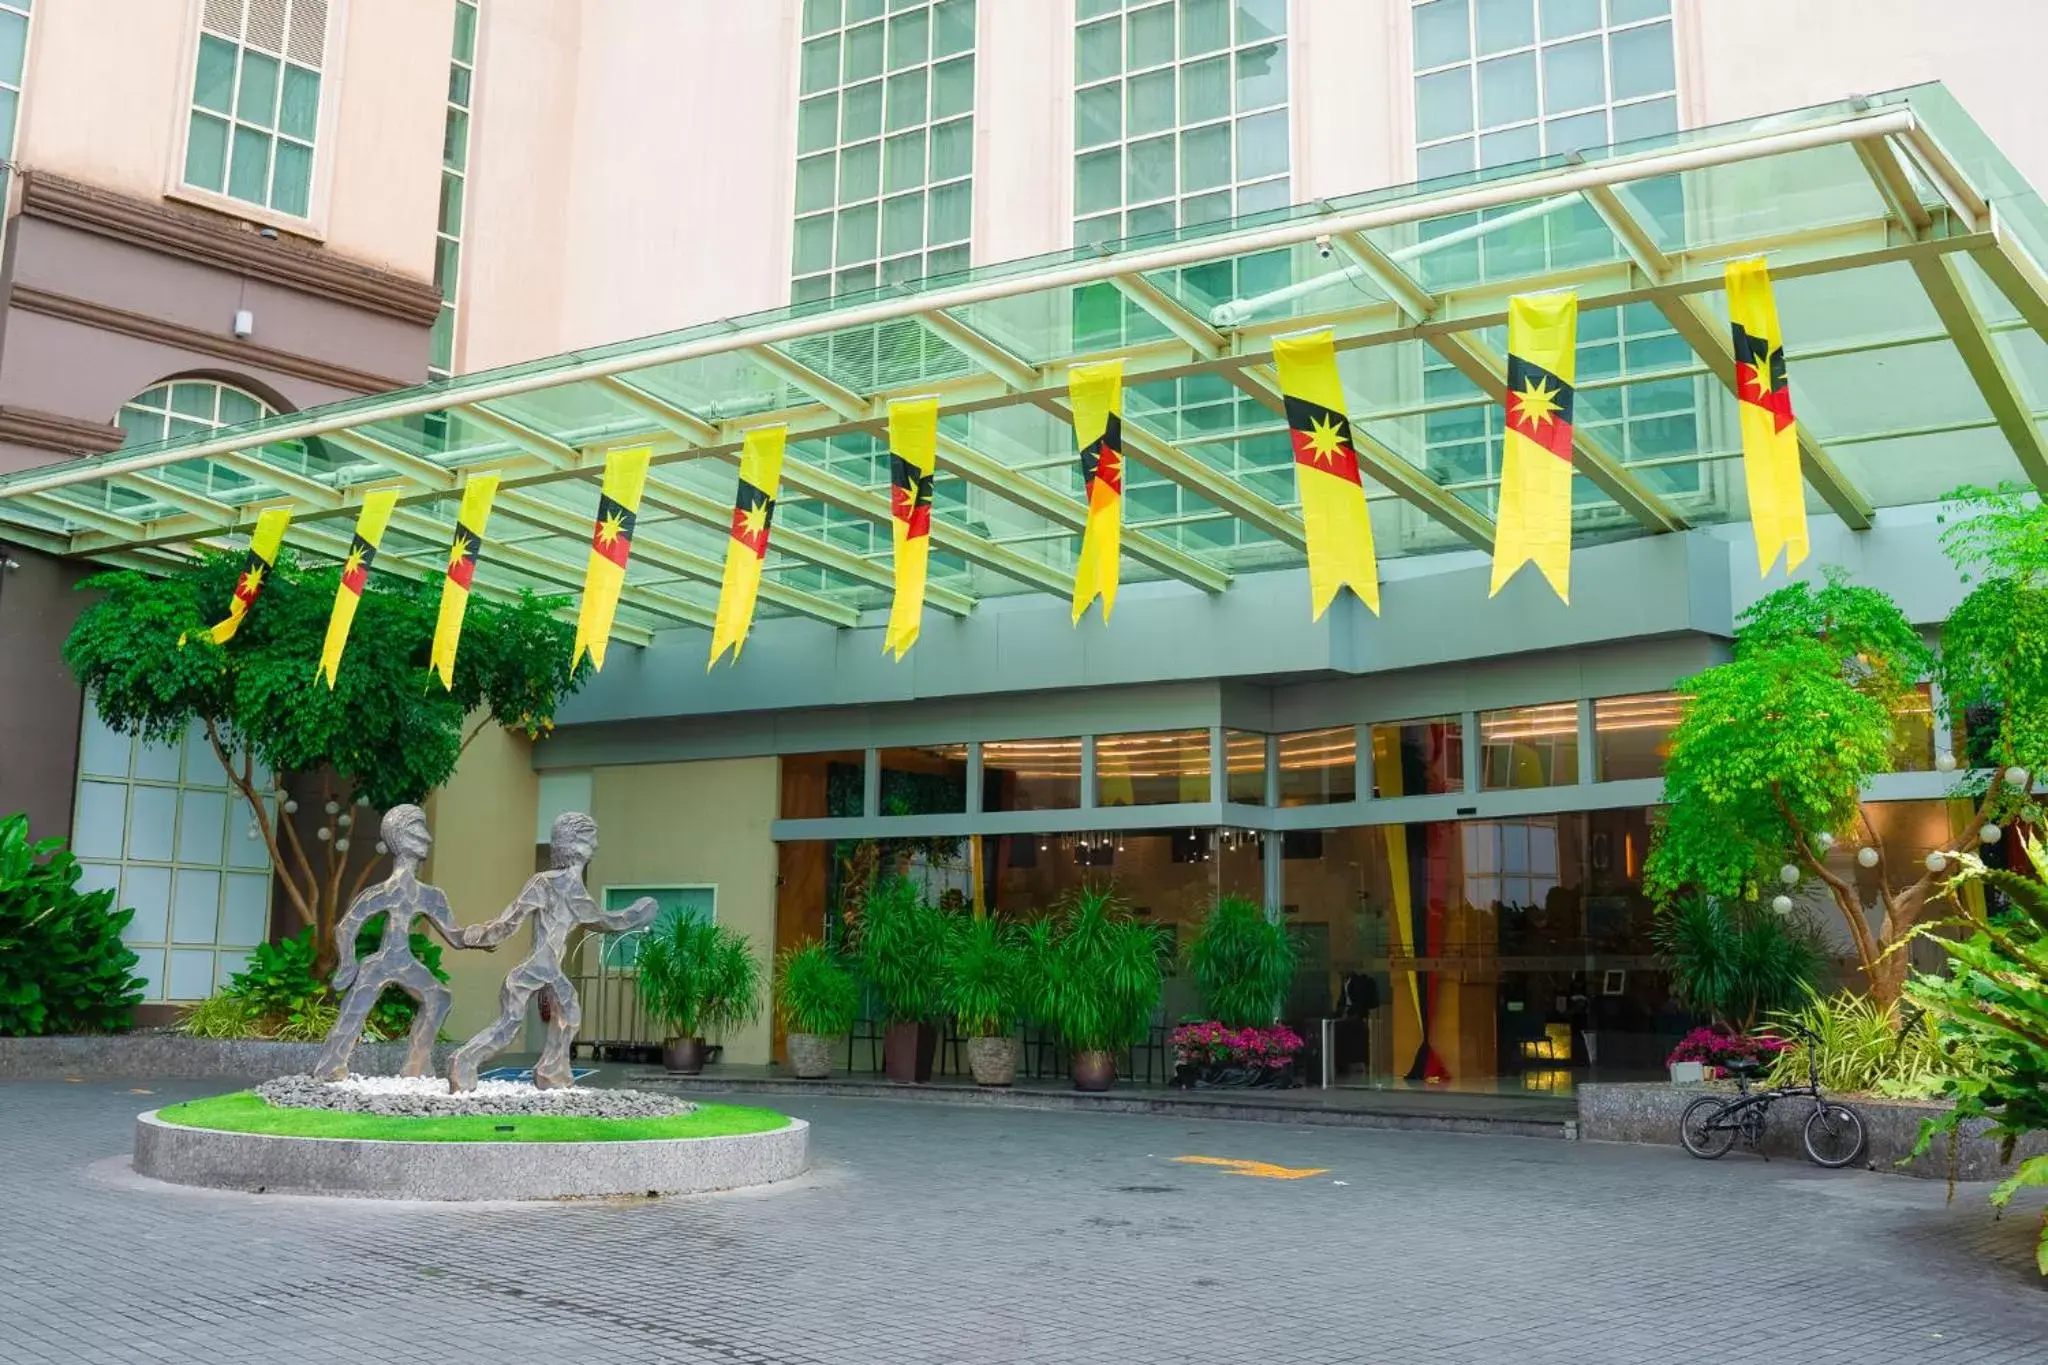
(153, 1055)
(1648, 1113)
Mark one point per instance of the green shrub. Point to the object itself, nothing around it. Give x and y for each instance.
(1866, 1047)
(277, 995)
(1243, 963)
(63, 967)
(697, 977)
(983, 977)
(220, 1015)
(900, 950)
(815, 992)
(1733, 960)
(1095, 973)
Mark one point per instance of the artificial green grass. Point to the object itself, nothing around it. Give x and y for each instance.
(246, 1112)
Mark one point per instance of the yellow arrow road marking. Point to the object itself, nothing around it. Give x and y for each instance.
(1259, 1170)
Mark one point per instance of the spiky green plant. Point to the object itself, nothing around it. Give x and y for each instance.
(1865, 1047)
(815, 992)
(900, 950)
(1733, 960)
(1095, 972)
(220, 1015)
(1243, 963)
(697, 977)
(983, 984)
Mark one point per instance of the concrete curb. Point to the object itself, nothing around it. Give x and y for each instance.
(259, 1163)
(173, 1056)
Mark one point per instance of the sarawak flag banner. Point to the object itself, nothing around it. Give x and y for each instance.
(753, 508)
(1770, 437)
(1333, 510)
(1097, 395)
(464, 548)
(355, 575)
(1534, 524)
(256, 567)
(611, 542)
(913, 455)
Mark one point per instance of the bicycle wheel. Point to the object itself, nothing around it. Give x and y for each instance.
(1833, 1136)
(1697, 1130)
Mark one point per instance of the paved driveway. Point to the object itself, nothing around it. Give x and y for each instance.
(930, 1233)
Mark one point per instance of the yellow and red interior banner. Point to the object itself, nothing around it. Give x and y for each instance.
(256, 567)
(913, 456)
(355, 576)
(1097, 395)
(1333, 510)
(611, 544)
(1534, 521)
(753, 510)
(465, 546)
(1770, 435)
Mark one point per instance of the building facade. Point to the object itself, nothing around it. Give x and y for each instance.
(305, 201)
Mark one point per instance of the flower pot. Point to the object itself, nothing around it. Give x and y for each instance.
(907, 1051)
(1687, 1073)
(1094, 1070)
(684, 1056)
(810, 1055)
(993, 1060)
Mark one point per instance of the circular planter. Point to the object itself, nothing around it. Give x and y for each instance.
(993, 1060)
(684, 1056)
(810, 1056)
(1094, 1070)
(375, 1169)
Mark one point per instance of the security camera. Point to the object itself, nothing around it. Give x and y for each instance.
(1323, 246)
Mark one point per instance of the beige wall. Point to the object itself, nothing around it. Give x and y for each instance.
(693, 824)
(483, 826)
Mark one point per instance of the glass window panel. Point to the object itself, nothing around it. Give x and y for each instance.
(1204, 208)
(856, 234)
(1204, 26)
(815, 178)
(1505, 24)
(1205, 90)
(816, 121)
(458, 85)
(291, 183)
(206, 153)
(906, 99)
(1244, 757)
(1423, 757)
(906, 161)
(1151, 219)
(820, 64)
(1098, 181)
(299, 111)
(1507, 90)
(450, 220)
(1262, 76)
(455, 140)
(249, 165)
(903, 224)
(1031, 774)
(1099, 51)
(1649, 118)
(811, 290)
(952, 27)
(1098, 115)
(1563, 18)
(465, 33)
(950, 216)
(1442, 33)
(1631, 735)
(1258, 19)
(1575, 134)
(1318, 767)
(860, 112)
(1107, 228)
(1629, 11)
(860, 11)
(1515, 144)
(215, 85)
(864, 53)
(235, 408)
(1913, 733)
(1267, 194)
(909, 39)
(1529, 746)
(1641, 61)
(947, 260)
(1151, 102)
(1443, 104)
(1574, 76)
(953, 88)
(860, 172)
(820, 15)
(1205, 157)
(1148, 169)
(1149, 37)
(256, 99)
(952, 149)
(929, 779)
(1153, 769)
(1262, 145)
(814, 243)
(1446, 158)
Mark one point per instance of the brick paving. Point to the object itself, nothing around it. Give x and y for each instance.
(939, 1234)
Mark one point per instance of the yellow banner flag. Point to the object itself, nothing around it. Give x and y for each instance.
(611, 544)
(465, 547)
(1333, 510)
(1770, 435)
(913, 456)
(257, 565)
(1534, 522)
(1097, 393)
(753, 509)
(355, 576)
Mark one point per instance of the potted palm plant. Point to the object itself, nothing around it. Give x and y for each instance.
(698, 978)
(983, 989)
(1242, 963)
(1095, 980)
(900, 950)
(816, 998)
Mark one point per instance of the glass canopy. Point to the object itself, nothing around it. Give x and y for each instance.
(1905, 249)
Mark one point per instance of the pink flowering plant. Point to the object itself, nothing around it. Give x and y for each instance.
(1210, 1043)
(1718, 1046)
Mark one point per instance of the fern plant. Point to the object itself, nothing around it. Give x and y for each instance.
(1733, 961)
(699, 978)
(983, 978)
(1095, 972)
(901, 950)
(814, 991)
(1242, 963)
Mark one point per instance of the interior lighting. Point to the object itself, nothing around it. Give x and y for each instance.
(1782, 904)
(1991, 833)
(1937, 861)
(1866, 856)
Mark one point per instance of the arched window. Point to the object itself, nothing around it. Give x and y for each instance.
(187, 407)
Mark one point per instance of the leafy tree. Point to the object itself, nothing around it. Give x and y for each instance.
(385, 734)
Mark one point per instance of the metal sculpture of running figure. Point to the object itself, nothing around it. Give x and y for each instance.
(400, 898)
(557, 902)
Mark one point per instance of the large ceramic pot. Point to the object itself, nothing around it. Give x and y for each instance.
(1094, 1070)
(810, 1055)
(684, 1055)
(907, 1052)
(993, 1060)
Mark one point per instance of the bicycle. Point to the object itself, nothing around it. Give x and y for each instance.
(1833, 1135)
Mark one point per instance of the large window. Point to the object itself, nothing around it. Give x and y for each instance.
(13, 70)
(1154, 769)
(1031, 774)
(1318, 767)
(454, 185)
(1529, 746)
(885, 143)
(256, 102)
(1632, 735)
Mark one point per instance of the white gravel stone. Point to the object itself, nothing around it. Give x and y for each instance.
(428, 1097)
